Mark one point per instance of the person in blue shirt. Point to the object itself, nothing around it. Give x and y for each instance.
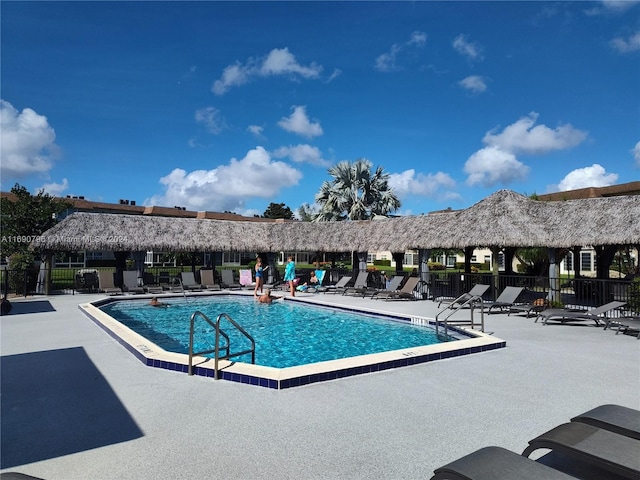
(259, 276)
(290, 275)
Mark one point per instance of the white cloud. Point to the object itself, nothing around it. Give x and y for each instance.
(55, 189)
(471, 50)
(474, 83)
(255, 130)
(429, 185)
(612, 6)
(491, 165)
(27, 142)
(636, 153)
(299, 123)
(211, 118)
(631, 44)
(387, 62)
(497, 162)
(523, 137)
(593, 176)
(227, 187)
(277, 62)
(302, 153)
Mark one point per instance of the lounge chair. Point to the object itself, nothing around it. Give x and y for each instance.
(625, 324)
(405, 293)
(593, 447)
(107, 285)
(505, 300)
(189, 281)
(228, 281)
(615, 418)
(496, 463)
(339, 287)
(207, 281)
(563, 315)
(130, 282)
(246, 280)
(394, 284)
(477, 291)
(360, 286)
(536, 306)
(314, 288)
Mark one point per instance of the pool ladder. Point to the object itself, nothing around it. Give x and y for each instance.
(225, 348)
(455, 306)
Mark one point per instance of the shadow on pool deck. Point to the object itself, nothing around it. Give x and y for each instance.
(56, 403)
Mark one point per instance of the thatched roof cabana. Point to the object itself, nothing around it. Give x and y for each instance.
(503, 219)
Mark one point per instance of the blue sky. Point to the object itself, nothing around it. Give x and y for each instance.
(229, 106)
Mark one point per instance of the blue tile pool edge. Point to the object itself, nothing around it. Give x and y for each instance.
(307, 379)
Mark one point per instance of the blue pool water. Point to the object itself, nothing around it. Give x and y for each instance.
(286, 333)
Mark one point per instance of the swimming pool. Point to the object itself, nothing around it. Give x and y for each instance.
(287, 334)
(153, 355)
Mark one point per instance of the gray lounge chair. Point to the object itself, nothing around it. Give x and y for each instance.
(405, 293)
(477, 291)
(564, 315)
(228, 281)
(505, 300)
(592, 447)
(615, 418)
(536, 306)
(106, 283)
(625, 324)
(130, 281)
(207, 281)
(189, 281)
(496, 463)
(394, 284)
(339, 287)
(360, 286)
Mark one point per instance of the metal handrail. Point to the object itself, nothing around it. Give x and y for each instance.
(216, 350)
(471, 302)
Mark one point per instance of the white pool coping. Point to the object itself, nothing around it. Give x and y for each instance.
(281, 378)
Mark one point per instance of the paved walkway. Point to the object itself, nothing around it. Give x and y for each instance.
(77, 405)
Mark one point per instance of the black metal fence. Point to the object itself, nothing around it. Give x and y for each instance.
(579, 292)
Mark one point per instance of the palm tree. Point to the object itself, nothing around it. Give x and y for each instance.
(355, 194)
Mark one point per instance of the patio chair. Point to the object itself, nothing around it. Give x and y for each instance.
(246, 279)
(360, 286)
(207, 281)
(405, 293)
(106, 283)
(314, 288)
(130, 282)
(476, 291)
(591, 446)
(339, 287)
(615, 418)
(625, 324)
(394, 284)
(228, 281)
(564, 315)
(496, 463)
(536, 306)
(505, 300)
(189, 281)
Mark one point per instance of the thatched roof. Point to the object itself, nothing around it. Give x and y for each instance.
(502, 219)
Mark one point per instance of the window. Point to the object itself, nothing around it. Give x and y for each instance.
(371, 257)
(487, 259)
(474, 258)
(451, 261)
(568, 262)
(501, 260)
(585, 260)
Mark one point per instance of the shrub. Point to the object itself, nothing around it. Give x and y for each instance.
(436, 266)
(383, 263)
(22, 272)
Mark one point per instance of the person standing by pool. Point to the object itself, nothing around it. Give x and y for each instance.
(290, 275)
(259, 276)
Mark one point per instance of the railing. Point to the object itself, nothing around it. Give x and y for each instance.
(217, 348)
(457, 305)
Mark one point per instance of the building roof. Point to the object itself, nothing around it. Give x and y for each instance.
(631, 188)
(505, 218)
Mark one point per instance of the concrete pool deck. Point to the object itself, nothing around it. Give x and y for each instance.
(77, 405)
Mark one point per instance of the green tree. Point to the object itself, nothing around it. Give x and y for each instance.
(278, 210)
(307, 213)
(355, 193)
(25, 217)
